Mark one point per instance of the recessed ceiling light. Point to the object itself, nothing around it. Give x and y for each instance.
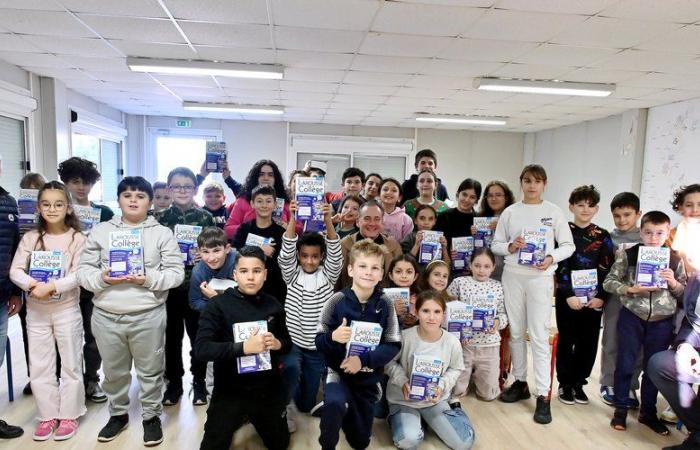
(544, 87)
(444, 118)
(233, 108)
(205, 68)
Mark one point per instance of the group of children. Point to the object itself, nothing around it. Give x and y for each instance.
(282, 312)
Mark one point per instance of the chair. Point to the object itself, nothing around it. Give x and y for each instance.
(8, 358)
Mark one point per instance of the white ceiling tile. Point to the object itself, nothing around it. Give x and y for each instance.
(612, 33)
(431, 20)
(239, 54)
(330, 76)
(313, 60)
(46, 5)
(67, 46)
(132, 28)
(16, 43)
(587, 75)
(132, 8)
(46, 23)
(587, 7)
(132, 77)
(308, 87)
(659, 80)
(564, 55)
(228, 35)
(153, 50)
(366, 89)
(34, 59)
(354, 98)
(467, 69)
(631, 104)
(683, 40)
(102, 64)
(485, 50)
(464, 3)
(681, 11)
(246, 83)
(530, 99)
(313, 39)
(332, 14)
(672, 95)
(61, 74)
(403, 45)
(317, 106)
(434, 93)
(409, 101)
(431, 81)
(643, 60)
(192, 92)
(479, 97)
(221, 11)
(531, 71)
(376, 78)
(389, 64)
(307, 96)
(180, 81)
(255, 96)
(352, 107)
(521, 26)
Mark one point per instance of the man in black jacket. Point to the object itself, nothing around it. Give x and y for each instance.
(425, 159)
(10, 300)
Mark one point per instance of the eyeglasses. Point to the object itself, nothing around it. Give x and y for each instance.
(58, 206)
(187, 188)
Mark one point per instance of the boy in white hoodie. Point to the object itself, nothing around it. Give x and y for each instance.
(129, 316)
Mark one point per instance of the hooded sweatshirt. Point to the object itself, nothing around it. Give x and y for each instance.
(162, 261)
(202, 272)
(398, 224)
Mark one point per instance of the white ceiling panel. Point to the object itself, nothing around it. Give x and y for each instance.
(307, 96)
(466, 69)
(312, 60)
(132, 28)
(238, 54)
(314, 39)
(434, 93)
(246, 83)
(643, 60)
(485, 50)
(174, 80)
(366, 89)
(354, 98)
(587, 7)
(671, 95)
(221, 11)
(191, 92)
(587, 75)
(403, 45)
(612, 33)
(683, 40)
(94, 47)
(681, 11)
(431, 81)
(66, 75)
(45, 23)
(46, 5)
(389, 64)
(329, 76)
(132, 77)
(531, 71)
(431, 20)
(376, 78)
(465, 3)
(34, 59)
(308, 87)
(227, 35)
(131, 8)
(564, 55)
(89, 63)
(332, 14)
(659, 80)
(16, 43)
(521, 26)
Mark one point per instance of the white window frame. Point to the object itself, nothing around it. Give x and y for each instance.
(150, 167)
(348, 146)
(18, 103)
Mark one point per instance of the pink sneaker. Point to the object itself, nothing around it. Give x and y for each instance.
(66, 429)
(44, 429)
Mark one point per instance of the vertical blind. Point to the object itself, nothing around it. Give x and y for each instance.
(13, 153)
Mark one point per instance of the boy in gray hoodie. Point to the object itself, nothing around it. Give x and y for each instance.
(129, 316)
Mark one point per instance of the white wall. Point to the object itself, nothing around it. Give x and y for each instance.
(481, 155)
(606, 152)
(12, 74)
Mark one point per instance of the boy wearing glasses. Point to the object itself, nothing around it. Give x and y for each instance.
(183, 186)
(646, 319)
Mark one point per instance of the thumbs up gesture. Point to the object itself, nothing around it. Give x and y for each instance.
(255, 343)
(341, 334)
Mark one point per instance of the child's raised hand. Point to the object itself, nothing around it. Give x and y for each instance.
(670, 277)
(443, 240)
(574, 303)
(341, 334)
(595, 303)
(400, 308)
(255, 343)
(203, 169)
(517, 244)
(327, 211)
(42, 291)
(544, 265)
(206, 290)
(293, 207)
(224, 169)
(268, 249)
(351, 365)
(337, 218)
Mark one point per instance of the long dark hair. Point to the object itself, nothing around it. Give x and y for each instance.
(484, 208)
(405, 257)
(71, 220)
(251, 180)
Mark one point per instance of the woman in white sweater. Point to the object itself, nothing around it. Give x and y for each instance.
(528, 282)
(414, 398)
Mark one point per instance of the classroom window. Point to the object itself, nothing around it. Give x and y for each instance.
(12, 149)
(106, 154)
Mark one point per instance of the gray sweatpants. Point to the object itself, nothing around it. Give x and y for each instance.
(140, 338)
(608, 354)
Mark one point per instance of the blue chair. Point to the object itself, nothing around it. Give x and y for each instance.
(10, 385)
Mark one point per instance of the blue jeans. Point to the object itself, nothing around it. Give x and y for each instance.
(452, 426)
(635, 335)
(3, 331)
(302, 374)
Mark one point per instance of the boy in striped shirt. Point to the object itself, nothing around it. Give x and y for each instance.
(310, 283)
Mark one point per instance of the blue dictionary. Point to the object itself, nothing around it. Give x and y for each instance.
(27, 206)
(242, 331)
(484, 317)
(535, 249)
(463, 247)
(186, 236)
(458, 320)
(484, 233)
(649, 262)
(430, 247)
(309, 196)
(364, 338)
(584, 283)
(398, 294)
(216, 156)
(425, 377)
(89, 217)
(125, 253)
(45, 266)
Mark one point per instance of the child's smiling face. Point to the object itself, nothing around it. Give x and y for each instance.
(690, 208)
(625, 218)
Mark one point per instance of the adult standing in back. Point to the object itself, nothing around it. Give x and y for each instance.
(425, 159)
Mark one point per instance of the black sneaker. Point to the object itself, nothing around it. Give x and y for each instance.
(27, 389)
(655, 424)
(580, 396)
(517, 391)
(115, 425)
(543, 414)
(566, 395)
(152, 432)
(8, 431)
(172, 393)
(316, 410)
(199, 393)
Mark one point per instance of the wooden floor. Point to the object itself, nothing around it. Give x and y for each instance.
(497, 425)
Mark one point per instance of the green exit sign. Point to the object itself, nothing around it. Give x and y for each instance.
(184, 123)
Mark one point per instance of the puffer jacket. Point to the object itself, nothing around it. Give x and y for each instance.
(9, 239)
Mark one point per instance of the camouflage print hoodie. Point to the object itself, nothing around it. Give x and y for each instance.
(650, 307)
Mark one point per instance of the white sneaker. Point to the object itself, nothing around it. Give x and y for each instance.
(668, 416)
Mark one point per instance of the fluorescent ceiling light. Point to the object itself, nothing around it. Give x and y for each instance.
(461, 119)
(544, 87)
(220, 69)
(233, 108)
